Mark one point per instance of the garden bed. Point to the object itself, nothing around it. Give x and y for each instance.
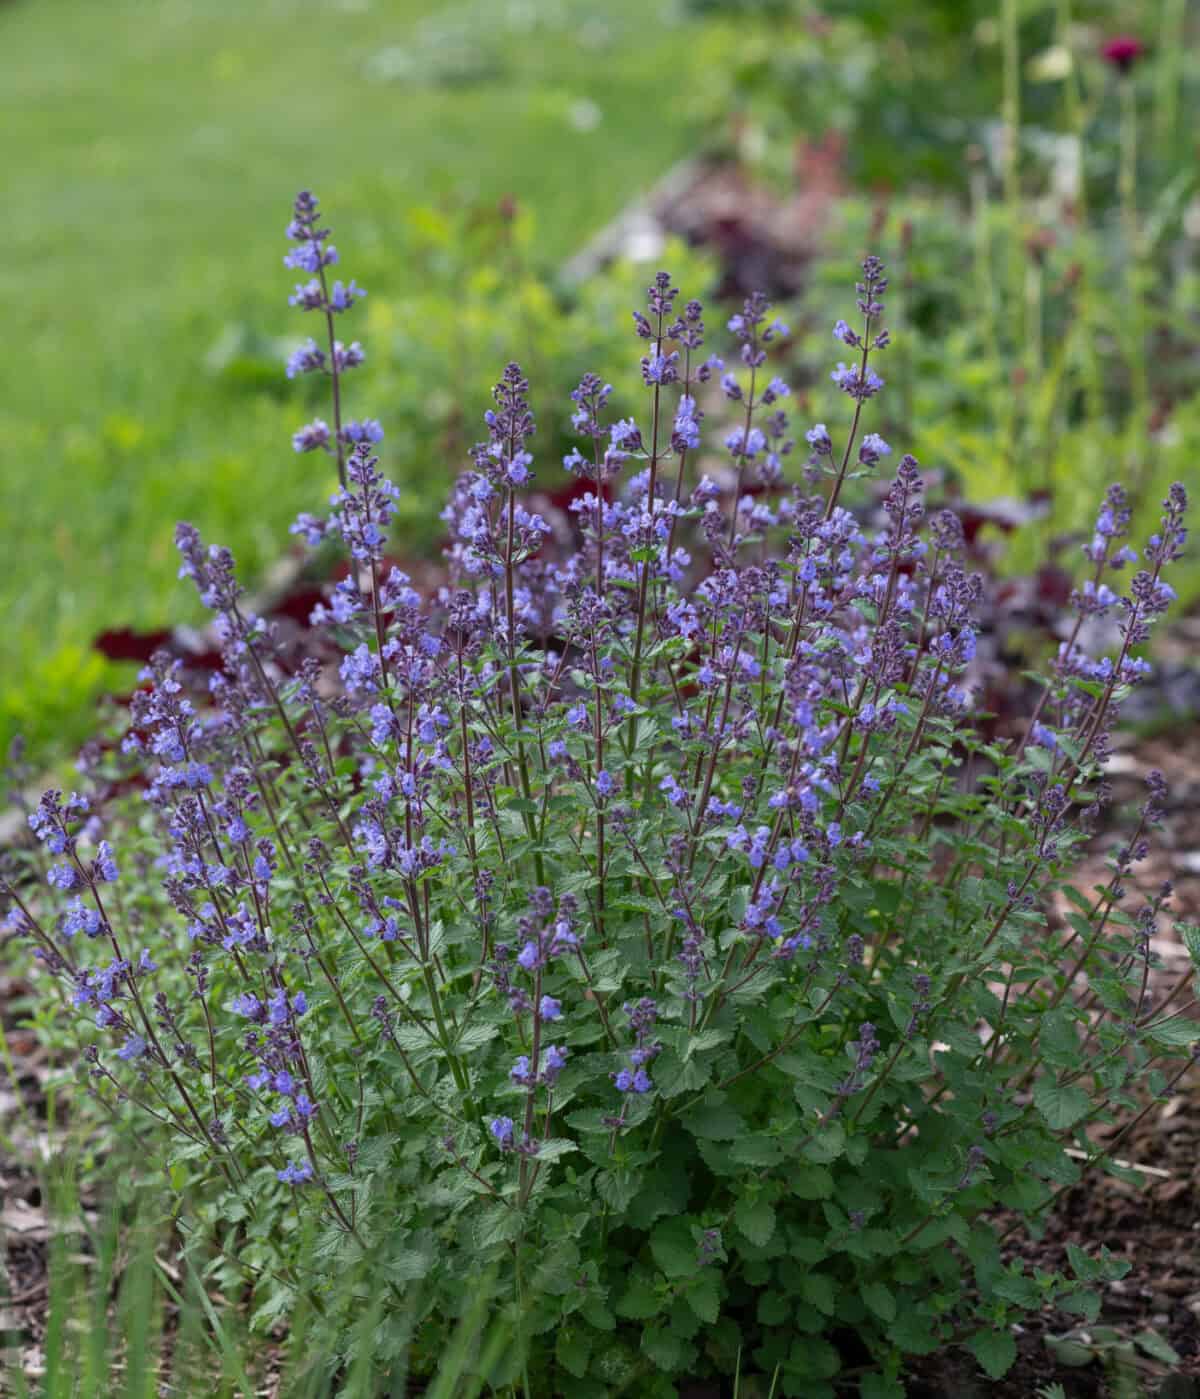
(1155, 1225)
(1146, 1326)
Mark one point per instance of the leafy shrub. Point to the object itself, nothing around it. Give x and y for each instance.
(904, 88)
(1048, 323)
(644, 919)
(1036, 402)
(476, 297)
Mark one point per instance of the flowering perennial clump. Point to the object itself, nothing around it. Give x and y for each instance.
(622, 918)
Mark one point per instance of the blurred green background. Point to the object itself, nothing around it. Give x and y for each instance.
(1046, 287)
(152, 151)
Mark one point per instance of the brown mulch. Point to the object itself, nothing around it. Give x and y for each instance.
(1155, 1228)
(24, 1226)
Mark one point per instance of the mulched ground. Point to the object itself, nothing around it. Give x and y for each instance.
(24, 1228)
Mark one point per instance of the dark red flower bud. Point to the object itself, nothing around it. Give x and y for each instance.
(1123, 51)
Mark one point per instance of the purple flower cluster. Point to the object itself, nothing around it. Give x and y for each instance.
(635, 1078)
(657, 756)
(314, 254)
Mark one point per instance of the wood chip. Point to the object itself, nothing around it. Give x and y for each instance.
(1078, 1155)
(19, 1217)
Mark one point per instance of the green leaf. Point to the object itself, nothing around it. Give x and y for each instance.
(554, 1147)
(704, 1296)
(1059, 1040)
(1175, 1033)
(682, 1319)
(663, 1189)
(1155, 1347)
(411, 1265)
(557, 1270)
(1061, 1106)
(706, 1039)
(983, 1250)
(774, 1308)
(589, 1120)
(810, 1183)
(880, 1387)
(1081, 1302)
(475, 1036)
(813, 1359)
(1075, 896)
(818, 1291)
(1066, 1350)
(617, 1189)
(1107, 1336)
(673, 1076)
(881, 1300)
(596, 1314)
(496, 1224)
(827, 1144)
(278, 1303)
(755, 1150)
(995, 1351)
(809, 1250)
(665, 1347)
(411, 1038)
(1086, 1269)
(1022, 1291)
(755, 1219)
(913, 1334)
(640, 1301)
(674, 1248)
(1080, 925)
(715, 1121)
(718, 1157)
(573, 1350)
(1110, 1266)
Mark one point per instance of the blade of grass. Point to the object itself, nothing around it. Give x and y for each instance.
(465, 1340)
(141, 1317)
(199, 1302)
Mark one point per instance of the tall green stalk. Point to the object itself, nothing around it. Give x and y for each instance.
(1132, 261)
(1011, 114)
(1172, 38)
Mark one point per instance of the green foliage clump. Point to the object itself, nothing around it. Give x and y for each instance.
(646, 921)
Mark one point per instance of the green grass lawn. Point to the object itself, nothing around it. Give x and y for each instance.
(152, 149)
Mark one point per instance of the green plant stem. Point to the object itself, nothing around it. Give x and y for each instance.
(335, 379)
(635, 673)
(1011, 114)
(1170, 50)
(1135, 307)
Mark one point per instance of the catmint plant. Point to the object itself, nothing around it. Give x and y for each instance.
(642, 917)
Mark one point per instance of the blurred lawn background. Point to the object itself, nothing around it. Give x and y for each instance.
(152, 151)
